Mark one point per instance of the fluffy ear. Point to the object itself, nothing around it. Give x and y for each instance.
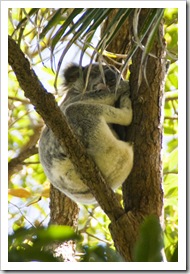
(72, 74)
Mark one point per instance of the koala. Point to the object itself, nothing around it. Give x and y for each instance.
(92, 116)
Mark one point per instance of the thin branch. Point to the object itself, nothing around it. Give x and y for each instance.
(171, 98)
(22, 214)
(169, 172)
(171, 95)
(170, 118)
(97, 238)
(31, 163)
(19, 118)
(24, 101)
(16, 163)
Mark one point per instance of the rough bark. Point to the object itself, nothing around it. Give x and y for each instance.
(142, 192)
(146, 132)
(63, 211)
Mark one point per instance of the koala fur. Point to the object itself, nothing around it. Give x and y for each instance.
(92, 115)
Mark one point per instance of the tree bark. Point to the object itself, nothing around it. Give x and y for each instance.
(63, 211)
(143, 194)
(142, 191)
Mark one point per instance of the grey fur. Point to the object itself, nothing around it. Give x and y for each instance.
(91, 115)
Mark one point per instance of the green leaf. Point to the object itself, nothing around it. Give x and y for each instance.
(100, 17)
(150, 242)
(172, 144)
(56, 233)
(62, 29)
(84, 23)
(170, 180)
(27, 244)
(151, 36)
(45, 235)
(119, 19)
(151, 17)
(169, 129)
(173, 160)
(100, 253)
(30, 254)
(25, 19)
(55, 20)
(174, 257)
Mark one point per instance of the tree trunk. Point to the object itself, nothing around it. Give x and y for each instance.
(142, 191)
(63, 211)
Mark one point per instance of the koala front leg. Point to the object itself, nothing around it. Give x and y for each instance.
(122, 116)
(93, 110)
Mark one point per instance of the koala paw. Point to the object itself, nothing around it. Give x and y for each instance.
(125, 102)
(102, 87)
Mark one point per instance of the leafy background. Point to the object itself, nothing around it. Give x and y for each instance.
(43, 38)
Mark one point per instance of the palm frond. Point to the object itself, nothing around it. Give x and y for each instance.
(56, 18)
(64, 27)
(26, 18)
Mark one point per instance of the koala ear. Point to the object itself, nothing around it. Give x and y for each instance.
(72, 74)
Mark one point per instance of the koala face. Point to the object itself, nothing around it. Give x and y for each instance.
(76, 77)
(106, 75)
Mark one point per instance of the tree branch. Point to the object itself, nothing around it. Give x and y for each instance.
(16, 163)
(54, 119)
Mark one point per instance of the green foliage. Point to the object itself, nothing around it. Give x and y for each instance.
(171, 30)
(46, 37)
(100, 253)
(79, 26)
(150, 242)
(26, 245)
(170, 159)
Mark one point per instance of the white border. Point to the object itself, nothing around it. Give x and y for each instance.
(93, 4)
(181, 265)
(182, 150)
